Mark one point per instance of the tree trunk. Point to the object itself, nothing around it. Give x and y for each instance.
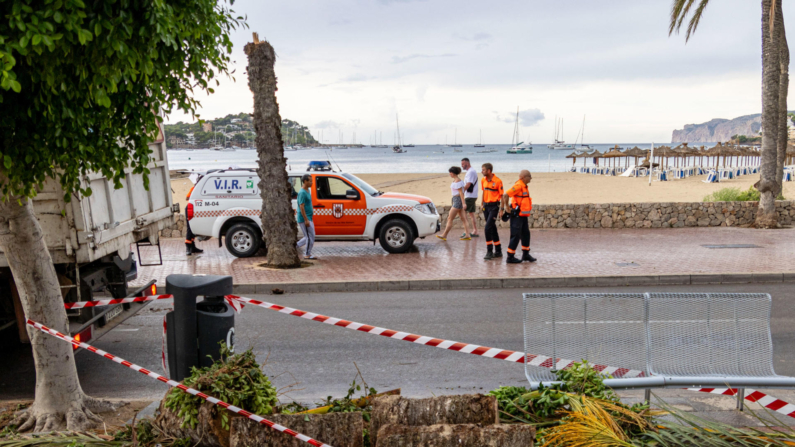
(336, 429)
(464, 435)
(766, 216)
(59, 399)
(456, 409)
(278, 218)
(783, 91)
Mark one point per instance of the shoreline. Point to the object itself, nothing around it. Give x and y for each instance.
(548, 188)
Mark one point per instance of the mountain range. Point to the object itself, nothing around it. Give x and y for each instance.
(718, 129)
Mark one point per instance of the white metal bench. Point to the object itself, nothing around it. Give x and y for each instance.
(669, 340)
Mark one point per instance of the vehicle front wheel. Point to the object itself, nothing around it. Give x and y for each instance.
(396, 236)
(242, 240)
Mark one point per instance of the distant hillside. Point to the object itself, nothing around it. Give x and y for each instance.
(719, 129)
(239, 131)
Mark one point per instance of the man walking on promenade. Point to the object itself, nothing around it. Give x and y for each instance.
(491, 186)
(470, 195)
(304, 217)
(521, 204)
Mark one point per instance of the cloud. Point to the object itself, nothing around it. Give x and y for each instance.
(421, 91)
(328, 124)
(401, 59)
(476, 37)
(527, 118)
(389, 2)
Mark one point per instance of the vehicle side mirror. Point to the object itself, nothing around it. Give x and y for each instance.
(352, 194)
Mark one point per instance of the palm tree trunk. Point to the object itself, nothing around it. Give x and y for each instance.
(771, 77)
(783, 91)
(59, 400)
(278, 218)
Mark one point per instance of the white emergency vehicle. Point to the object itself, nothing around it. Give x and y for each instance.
(227, 204)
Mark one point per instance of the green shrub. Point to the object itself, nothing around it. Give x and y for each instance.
(235, 378)
(737, 195)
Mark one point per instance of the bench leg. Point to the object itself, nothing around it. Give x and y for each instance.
(647, 395)
(740, 398)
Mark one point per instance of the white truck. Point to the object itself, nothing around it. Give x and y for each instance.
(89, 240)
(227, 204)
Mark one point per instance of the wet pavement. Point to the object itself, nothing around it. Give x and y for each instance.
(560, 253)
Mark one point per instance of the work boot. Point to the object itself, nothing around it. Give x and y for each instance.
(489, 253)
(188, 249)
(526, 257)
(195, 249)
(512, 259)
(498, 252)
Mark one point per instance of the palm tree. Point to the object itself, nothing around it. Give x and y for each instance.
(775, 86)
(278, 219)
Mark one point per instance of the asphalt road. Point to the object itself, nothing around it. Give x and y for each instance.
(321, 359)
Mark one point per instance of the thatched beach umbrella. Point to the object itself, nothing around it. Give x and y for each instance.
(684, 151)
(636, 152)
(596, 155)
(664, 152)
(614, 153)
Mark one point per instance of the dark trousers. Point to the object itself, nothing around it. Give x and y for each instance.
(189, 236)
(490, 211)
(520, 230)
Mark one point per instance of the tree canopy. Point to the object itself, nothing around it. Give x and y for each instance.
(81, 82)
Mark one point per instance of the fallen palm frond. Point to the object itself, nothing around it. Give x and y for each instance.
(595, 422)
(60, 438)
(687, 429)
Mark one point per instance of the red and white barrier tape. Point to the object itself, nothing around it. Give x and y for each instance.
(765, 400)
(511, 356)
(752, 395)
(137, 299)
(173, 383)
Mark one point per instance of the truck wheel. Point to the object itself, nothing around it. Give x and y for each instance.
(242, 240)
(396, 236)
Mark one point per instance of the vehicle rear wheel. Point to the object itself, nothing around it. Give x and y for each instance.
(242, 240)
(396, 236)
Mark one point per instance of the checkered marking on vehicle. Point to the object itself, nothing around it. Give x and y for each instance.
(365, 212)
(225, 213)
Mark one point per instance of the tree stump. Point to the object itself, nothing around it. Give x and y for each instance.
(336, 429)
(457, 409)
(208, 432)
(462, 435)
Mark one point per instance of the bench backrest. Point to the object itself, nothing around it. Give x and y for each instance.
(684, 334)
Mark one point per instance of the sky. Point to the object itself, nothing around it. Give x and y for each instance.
(451, 69)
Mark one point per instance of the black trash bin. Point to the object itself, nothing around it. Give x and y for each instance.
(194, 330)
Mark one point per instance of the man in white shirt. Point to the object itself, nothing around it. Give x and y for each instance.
(470, 195)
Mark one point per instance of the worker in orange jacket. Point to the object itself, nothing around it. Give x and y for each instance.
(521, 205)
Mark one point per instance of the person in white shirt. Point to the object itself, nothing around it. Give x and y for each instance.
(470, 195)
(457, 190)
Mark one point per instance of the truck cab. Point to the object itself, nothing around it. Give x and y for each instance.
(227, 204)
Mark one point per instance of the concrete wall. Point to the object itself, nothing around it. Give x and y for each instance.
(645, 215)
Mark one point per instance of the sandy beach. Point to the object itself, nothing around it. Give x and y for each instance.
(551, 188)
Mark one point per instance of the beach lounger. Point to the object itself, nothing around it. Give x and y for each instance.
(712, 177)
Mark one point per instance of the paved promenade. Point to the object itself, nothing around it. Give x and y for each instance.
(565, 258)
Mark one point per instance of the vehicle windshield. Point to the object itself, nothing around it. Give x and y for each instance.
(362, 184)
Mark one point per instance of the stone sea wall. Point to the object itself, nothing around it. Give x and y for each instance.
(619, 215)
(645, 215)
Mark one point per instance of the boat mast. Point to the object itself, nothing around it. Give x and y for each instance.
(397, 123)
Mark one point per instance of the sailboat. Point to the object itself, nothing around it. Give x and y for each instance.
(396, 148)
(455, 139)
(518, 147)
(582, 147)
(480, 140)
(560, 145)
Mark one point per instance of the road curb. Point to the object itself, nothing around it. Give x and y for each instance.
(516, 283)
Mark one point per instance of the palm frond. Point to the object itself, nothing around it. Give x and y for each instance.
(680, 9)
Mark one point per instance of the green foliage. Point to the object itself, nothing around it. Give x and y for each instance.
(292, 131)
(79, 82)
(347, 404)
(235, 378)
(735, 195)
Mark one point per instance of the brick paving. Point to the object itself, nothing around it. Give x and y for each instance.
(560, 253)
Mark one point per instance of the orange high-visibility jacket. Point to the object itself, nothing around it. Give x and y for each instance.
(520, 198)
(492, 190)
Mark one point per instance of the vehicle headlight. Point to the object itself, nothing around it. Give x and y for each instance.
(426, 208)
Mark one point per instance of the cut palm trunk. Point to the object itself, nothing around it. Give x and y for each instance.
(278, 218)
(460, 435)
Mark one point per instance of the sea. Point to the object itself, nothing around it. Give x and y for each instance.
(418, 159)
